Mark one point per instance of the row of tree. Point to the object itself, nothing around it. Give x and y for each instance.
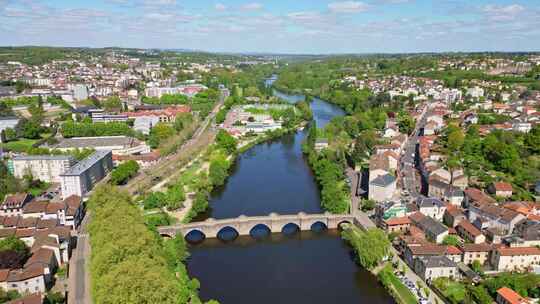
(129, 263)
(88, 129)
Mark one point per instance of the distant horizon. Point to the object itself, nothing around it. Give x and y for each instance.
(254, 53)
(277, 26)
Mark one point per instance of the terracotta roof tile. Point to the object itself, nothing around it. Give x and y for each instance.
(30, 299)
(511, 296)
(512, 251)
(398, 221)
(470, 228)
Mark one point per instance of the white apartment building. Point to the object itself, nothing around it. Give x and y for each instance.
(46, 168)
(80, 92)
(82, 177)
(515, 258)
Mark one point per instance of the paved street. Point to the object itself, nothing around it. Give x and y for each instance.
(409, 274)
(79, 277)
(408, 170)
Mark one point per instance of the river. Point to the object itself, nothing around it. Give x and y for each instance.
(305, 267)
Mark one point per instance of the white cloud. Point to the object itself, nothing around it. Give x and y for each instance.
(347, 7)
(503, 13)
(220, 7)
(304, 16)
(159, 16)
(252, 6)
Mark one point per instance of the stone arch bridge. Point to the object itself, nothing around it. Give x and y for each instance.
(244, 224)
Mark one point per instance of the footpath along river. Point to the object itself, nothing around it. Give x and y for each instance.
(304, 267)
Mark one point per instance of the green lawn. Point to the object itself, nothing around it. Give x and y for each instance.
(454, 291)
(21, 145)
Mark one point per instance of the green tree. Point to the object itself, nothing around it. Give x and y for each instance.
(15, 244)
(124, 172)
(112, 103)
(371, 246)
(182, 120)
(225, 141)
(9, 134)
(451, 240)
(221, 115)
(405, 123)
(175, 195)
(6, 296)
(477, 267)
(479, 294)
(159, 133)
(368, 205)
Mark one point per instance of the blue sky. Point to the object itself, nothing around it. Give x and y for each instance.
(293, 26)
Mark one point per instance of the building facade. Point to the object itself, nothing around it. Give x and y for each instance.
(46, 168)
(82, 177)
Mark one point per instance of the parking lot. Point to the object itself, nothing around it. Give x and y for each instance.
(413, 288)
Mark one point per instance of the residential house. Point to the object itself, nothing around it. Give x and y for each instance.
(487, 215)
(433, 229)
(35, 298)
(436, 187)
(469, 232)
(453, 216)
(13, 204)
(382, 188)
(506, 295)
(430, 128)
(500, 189)
(515, 259)
(320, 144)
(432, 267)
(387, 210)
(476, 252)
(421, 249)
(475, 195)
(431, 207)
(454, 196)
(397, 224)
(378, 165)
(526, 234)
(28, 280)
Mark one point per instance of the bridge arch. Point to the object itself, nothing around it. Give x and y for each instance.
(290, 228)
(227, 233)
(260, 230)
(194, 235)
(318, 226)
(340, 223)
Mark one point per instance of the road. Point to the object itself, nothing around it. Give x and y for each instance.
(408, 169)
(79, 277)
(413, 277)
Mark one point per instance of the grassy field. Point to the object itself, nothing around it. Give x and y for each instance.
(21, 145)
(452, 290)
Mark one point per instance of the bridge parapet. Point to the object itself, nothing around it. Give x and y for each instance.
(244, 224)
